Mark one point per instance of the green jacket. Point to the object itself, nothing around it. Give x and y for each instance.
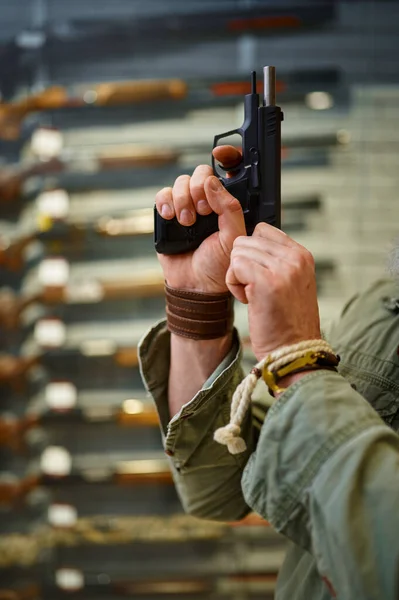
(323, 468)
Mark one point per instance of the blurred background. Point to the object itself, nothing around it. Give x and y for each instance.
(102, 104)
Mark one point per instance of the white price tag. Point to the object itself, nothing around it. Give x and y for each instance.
(60, 395)
(69, 579)
(62, 515)
(50, 333)
(88, 291)
(54, 204)
(56, 461)
(53, 272)
(46, 143)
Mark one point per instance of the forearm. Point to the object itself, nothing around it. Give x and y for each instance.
(207, 477)
(191, 364)
(325, 474)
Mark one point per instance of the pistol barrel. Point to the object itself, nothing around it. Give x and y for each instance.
(269, 82)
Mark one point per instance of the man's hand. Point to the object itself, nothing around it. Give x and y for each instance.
(203, 270)
(275, 276)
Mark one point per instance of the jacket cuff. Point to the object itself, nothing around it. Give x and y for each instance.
(154, 360)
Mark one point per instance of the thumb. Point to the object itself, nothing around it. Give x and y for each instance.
(229, 210)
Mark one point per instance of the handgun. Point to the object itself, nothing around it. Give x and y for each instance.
(255, 181)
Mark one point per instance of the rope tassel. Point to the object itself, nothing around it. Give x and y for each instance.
(229, 435)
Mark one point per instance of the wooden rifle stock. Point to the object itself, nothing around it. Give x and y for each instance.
(128, 156)
(29, 592)
(14, 492)
(13, 430)
(139, 222)
(13, 369)
(12, 306)
(13, 177)
(12, 114)
(137, 92)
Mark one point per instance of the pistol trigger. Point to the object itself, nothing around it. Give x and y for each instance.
(234, 169)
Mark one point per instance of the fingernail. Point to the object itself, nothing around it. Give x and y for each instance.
(186, 217)
(215, 184)
(166, 211)
(202, 207)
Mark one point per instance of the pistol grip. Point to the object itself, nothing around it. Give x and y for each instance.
(173, 238)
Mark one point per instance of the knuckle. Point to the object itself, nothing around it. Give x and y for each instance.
(239, 241)
(203, 169)
(309, 258)
(163, 195)
(260, 229)
(182, 199)
(181, 179)
(197, 191)
(232, 204)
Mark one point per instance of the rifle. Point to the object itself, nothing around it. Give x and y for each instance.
(178, 95)
(101, 94)
(132, 412)
(89, 288)
(114, 175)
(116, 157)
(81, 233)
(77, 348)
(104, 530)
(150, 470)
(94, 283)
(13, 177)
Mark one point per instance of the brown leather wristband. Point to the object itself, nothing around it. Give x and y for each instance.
(197, 315)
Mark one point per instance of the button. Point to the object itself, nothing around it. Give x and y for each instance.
(169, 452)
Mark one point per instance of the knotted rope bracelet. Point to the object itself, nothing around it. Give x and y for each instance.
(304, 356)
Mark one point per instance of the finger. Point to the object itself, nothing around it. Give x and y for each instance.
(231, 218)
(164, 203)
(272, 233)
(259, 257)
(243, 275)
(266, 246)
(197, 192)
(228, 156)
(183, 203)
(234, 287)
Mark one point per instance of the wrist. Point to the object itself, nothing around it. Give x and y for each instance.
(285, 382)
(197, 315)
(205, 355)
(195, 286)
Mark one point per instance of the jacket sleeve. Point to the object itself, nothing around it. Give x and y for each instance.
(207, 477)
(326, 474)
